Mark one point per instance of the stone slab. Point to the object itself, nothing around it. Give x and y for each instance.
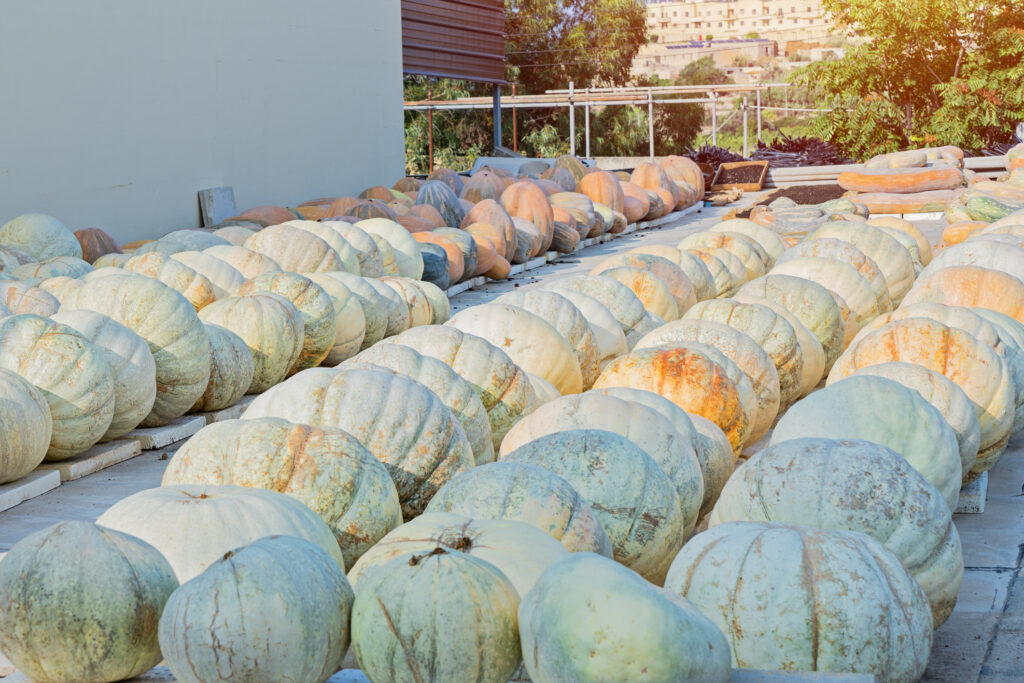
(158, 437)
(984, 590)
(551, 256)
(31, 485)
(459, 288)
(536, 262)
(516, 268)
(100, 456)
(230, 413)
(973, 496)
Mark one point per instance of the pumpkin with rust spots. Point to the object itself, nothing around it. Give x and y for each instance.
(668, 271)
(808, 346)
(80, 602)
(687, 378)
(815, 572)
(924, 246)
(633, 497)
(749, 252)
(67, 266)
(231, 370)
(609, 340)
(298, 631)
(223, 277)
(197, 288)
(987, 253)
(845, 252)
(295, 250)
(650, 289)
(323, 467)
(843, 281)
(971, 287)
(347, 254)
(769, 240)
(891, 257)
(19, 298)
(404, 424)
(619, 299)
(246, 261)
(971, 365)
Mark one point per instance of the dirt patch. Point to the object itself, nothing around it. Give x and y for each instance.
(801, 194)
(739, 175)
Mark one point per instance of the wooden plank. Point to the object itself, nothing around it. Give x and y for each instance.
(100, 456)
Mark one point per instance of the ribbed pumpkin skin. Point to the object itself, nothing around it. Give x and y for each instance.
(376, 306)
(71, 373)
(95, 243)
(651, 290)
(231, 369)
(971, 287)
(40, 236)
(721, 279)
(404, 424)
(296, 632)
(271, 328)
(632, 630)
(844, 282)
(641, 425)
(26, 425)
(194, 239)
(68, 266)
(741, 350)
(969, 364)
(609, 340)
(810, 303)
(80, 602)
(568, 321)
(131, 364)
(20, 298)
(603, 188)
(438, 616)
(196, 288)
(668, 272)
(767, 238)
(580, 207)
(687, 378)
(349, 319)
(246, 261)
(503, 387)
(59, 287)
(734, 571)
(171, 329)
(737, 245)
(194, 525)
(887, 413)
(224, 277)
(525, 493)
(414, 298)
(888, 254)
(325, 468)
(491, 212)
(520, 550)
(840, 250)
(853, 486)
(236, 234)
(314, 306)
(633, 497)
(295, 250)
(368, 254)
(406, 250)
(529, 341)
(455, 392)
(526, 200)
(619, 299)
(347, 254)
(440, 196)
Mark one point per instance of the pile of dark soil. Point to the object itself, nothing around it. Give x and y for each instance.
(801, 194)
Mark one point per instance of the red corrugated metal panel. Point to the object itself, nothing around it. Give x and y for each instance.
(462, 39)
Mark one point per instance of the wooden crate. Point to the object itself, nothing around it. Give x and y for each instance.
(746, 187)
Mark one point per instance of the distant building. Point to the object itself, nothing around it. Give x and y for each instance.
(667, 60)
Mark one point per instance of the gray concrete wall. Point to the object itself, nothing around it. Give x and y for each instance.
(114, 113)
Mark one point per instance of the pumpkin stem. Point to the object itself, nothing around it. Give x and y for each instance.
(463, 544)
(416, 559)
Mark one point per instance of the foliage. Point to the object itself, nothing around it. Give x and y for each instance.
(460, 136)
(934, 72)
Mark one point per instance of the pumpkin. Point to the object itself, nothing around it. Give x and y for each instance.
(633, 497)
(751, 257)
(885, 412)
(270, 327)
(299, 631)
(565, 238)
(367, 252)
(924, 246)
(667, 271)
(350, 321)
(196, 288)
(726, 271)
(70, 372)
(688, 378)
(429, 213)
(19, 298)
(971, 365)
(602, 188)
(438, 615)
(636, 203)
(454, 260)
(404, 424)
(406, 250)
(194, 525)
(443, 200)
(619, 299)
(435, 265)
(971, 287)
(489, 246)
(544, 390)
(567, 320)
(79, 602)
(68, 266)
(901, 180)
(235, 234)
(194, 239)
(810, 303)
(347, 254)
(930, 201)
(440, 307)
(222, 276)
(684, 170)
(40, 236)
(847, 253)
(59, 287)
(325, 468)
(609, 340)
(853, 486)
(741, 350)
(631, 630)
(370, 208)
(768, 239)
(414, 298)
(467, 247)
(448, 177)
(246, 261)
(527, 201)
(520, 550)
(408, 185)
(164, 245)
(524, 493)
(696, 272)
(643, 426)
(581, 208)
(529, 240)
(231, 370)
(562, 176)
(267, 215)
(652, 177)
(520, 334)
(377, 306)
(888, 254)
(455, 392)
(957, 232)
(491, 212)
(95, 243)
(171, 329)
(26, 424)
(482, 186)
(986, 253)
(734, 571)
(842, 280)
(295, 250)
(315, 308)
(111, 260)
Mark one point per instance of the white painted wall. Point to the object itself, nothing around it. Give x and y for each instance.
(114, 113)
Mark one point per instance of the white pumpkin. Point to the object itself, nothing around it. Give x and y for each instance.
(246, 261)
(26, 425)
(40, 236)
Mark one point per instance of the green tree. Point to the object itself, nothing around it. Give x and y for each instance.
(929, 71)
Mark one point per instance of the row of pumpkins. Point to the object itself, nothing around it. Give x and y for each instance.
(989, 201)
(522, 483)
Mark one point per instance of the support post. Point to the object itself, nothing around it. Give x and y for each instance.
(650, 120)
(430, 135)
(786, 110)
(759, 116)
(714, 119)
(572, 121)
(515, 124)
(586, 110)
(496, 94)
(746, 147)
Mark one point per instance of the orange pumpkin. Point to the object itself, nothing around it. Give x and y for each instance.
(915, 202)
(901, 180)
(958, 232)
(526, 200)
(377, 192)
(491, 212)
(408, 185)
(971, 287)
(267, 215)
(604, 188)
(415, 224)
(652, 177)
(641, 200)
(683, 170)
(96, 243)
(341, 206)
(313, 212)
(488, 232)
(448, 177)
(456, 262)
(483, 186)
(427, 212)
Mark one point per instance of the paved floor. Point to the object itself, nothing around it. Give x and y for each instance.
(983, 640)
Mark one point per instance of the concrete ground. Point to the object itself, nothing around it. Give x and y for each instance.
(982, 641)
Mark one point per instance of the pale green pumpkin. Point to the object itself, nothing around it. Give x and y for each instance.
(26, 425)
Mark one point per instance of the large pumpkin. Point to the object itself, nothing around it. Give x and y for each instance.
(609, 340)
(295, 250)
(841, 590)
(633, 497)
(527, 201)
(81, 603)
(246, 261)
(414, 298)
(171, 329)
(323, 467)
(231, 370)
(181, 278)
(592, 620)
(26, 424)
(347, 254)
(96, 243)
(888, 254)
(404, 424)
(684, 170)
(68, 266)
(653, 178)
(224, 277)
(844, 282)
(19, 298)
(619, 299)
(71, 373)
(441, 197)
(750, 254)
(298, 631)
(406, 250)
(767, 239)
(40, 236)
(972, 287)
(491, 212)
(668, 272)
(723, 280)
(371, 263)
(349, 319)
(603, 188)
(194, 525)
(839, 250)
